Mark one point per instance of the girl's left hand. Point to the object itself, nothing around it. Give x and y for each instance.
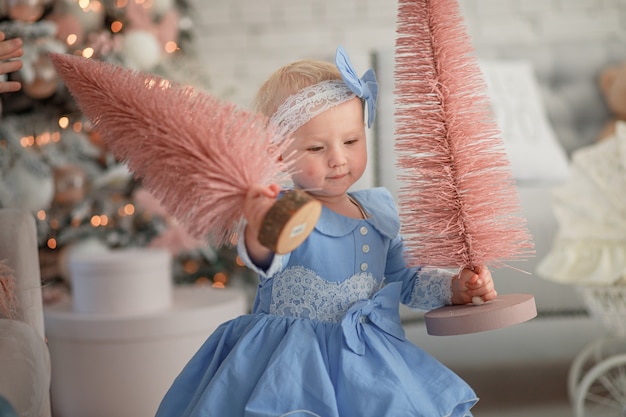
(470, 284)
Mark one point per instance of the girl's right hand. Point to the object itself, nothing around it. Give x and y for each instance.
(258, 201)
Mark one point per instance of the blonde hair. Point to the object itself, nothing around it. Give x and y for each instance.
(289, 79)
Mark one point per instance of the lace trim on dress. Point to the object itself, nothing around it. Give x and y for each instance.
(300, 292)
(432, 289)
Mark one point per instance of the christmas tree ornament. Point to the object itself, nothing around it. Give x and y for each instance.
(459, 204)
(91, 14)
(141, 18)
(70, 185)
(197, 154)
(141, 50)
(69, 30)
(25, 10)
(44, 80)
(29, 189)
(95, 139)
(160, 7)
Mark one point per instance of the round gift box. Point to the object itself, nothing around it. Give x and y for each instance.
(116, 365)
(121, 281)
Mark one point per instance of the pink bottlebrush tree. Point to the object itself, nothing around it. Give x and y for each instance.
(459, 204)
(8, 295)
(196, 154)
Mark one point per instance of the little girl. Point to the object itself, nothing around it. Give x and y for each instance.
(324, 337)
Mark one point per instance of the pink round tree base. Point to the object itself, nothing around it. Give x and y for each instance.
(504, 310)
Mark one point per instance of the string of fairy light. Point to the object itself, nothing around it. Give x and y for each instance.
(189, 266)
(64, 122)
(45, 138)
(75, 124)
(115, 27)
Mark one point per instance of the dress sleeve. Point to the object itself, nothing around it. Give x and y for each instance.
(432, 289)
(422, 288)
(277, 264)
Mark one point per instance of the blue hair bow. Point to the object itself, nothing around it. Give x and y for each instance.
(365, 87)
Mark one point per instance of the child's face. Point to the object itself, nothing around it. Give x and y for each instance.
(331, 151)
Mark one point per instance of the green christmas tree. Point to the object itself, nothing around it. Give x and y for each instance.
(54, 165)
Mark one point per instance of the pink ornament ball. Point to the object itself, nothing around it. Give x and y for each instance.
(69, 29)
(46, 80)
(25, 10)
(70, 184)
(91, 17)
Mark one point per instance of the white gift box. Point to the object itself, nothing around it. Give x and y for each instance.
(121, 281)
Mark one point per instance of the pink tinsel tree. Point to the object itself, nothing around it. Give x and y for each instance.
(8, 296)
(459, 203)
(196, 154)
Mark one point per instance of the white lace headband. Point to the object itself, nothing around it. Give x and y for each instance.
(315, 99)
(308, 103)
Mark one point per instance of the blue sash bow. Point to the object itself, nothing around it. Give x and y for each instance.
(381, 311)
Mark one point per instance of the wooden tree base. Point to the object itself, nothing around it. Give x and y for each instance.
(289, 221)
(504, 310)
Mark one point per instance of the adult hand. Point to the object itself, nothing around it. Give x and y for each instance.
(10, 51)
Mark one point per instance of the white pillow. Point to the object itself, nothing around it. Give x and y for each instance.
(534, 152)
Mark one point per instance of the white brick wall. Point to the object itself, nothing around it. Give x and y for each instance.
(243, 41)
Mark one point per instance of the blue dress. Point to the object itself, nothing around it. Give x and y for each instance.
(324, 337)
